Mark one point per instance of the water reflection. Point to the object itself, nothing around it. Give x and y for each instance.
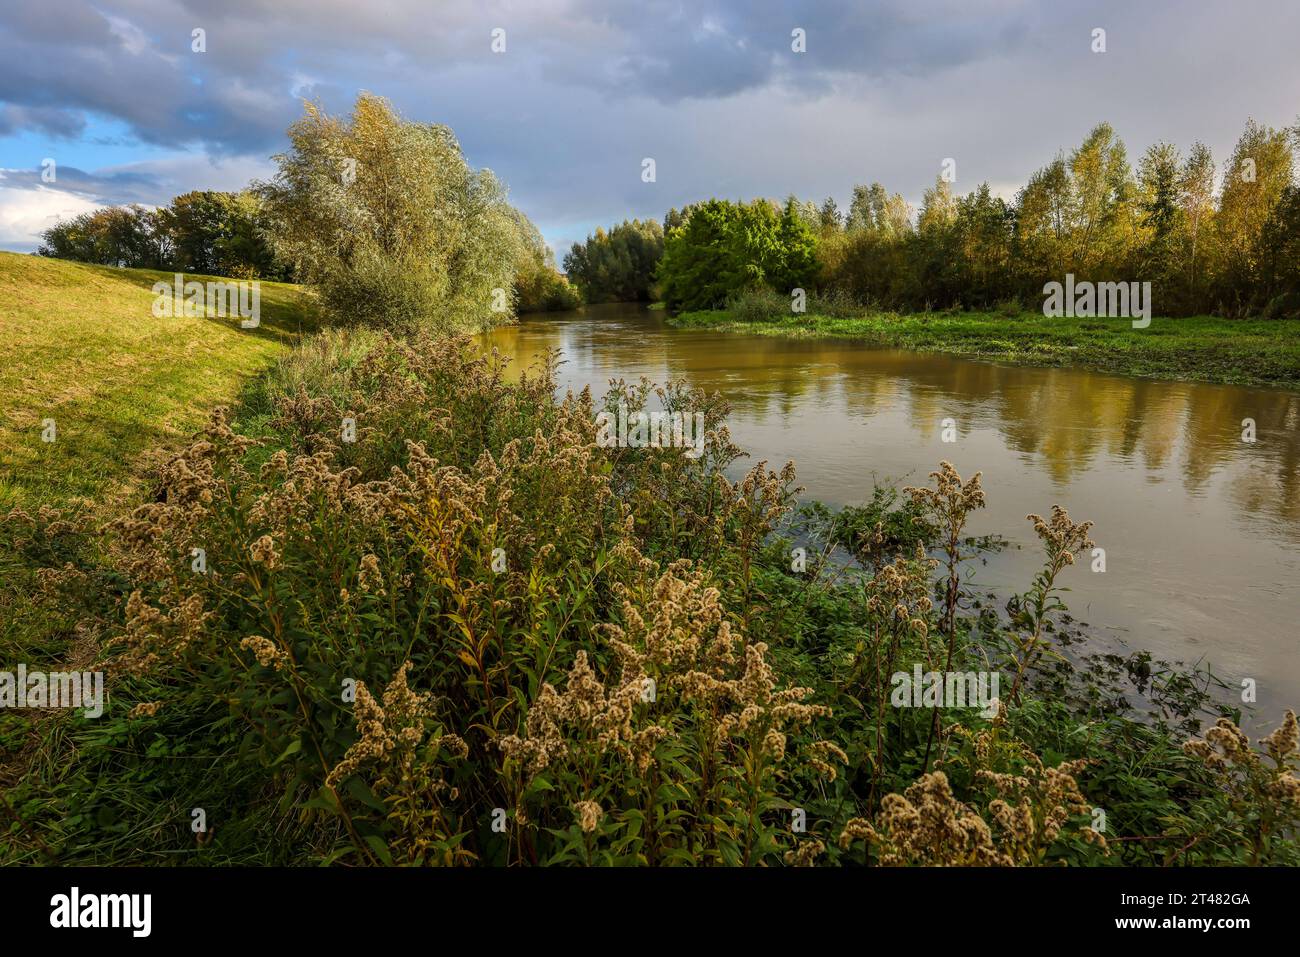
(1202, 530)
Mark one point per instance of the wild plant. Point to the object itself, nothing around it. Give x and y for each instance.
(948, 504)
(1254, 811)
(402, 757)
(1033, 816)
(680, 503)
(1062, 540)
(678, 757)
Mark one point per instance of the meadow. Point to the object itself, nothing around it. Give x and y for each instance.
(1252, 352)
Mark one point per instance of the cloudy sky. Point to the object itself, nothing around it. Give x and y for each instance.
(113, 92)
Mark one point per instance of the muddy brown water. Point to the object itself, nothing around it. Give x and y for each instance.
(1201, 529)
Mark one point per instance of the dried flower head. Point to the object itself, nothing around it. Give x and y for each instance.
(589, 815)
(264, 553)
(369, 578)
(266, 651)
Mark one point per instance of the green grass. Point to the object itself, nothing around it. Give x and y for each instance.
(1244, 352)
(83, 348)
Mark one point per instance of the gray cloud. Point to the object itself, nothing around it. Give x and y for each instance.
(132, 60)
(670, 51)
(709, 88)
(57, 123)
(111, 188)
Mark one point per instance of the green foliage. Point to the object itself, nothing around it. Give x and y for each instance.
(128, 236)
(1278, 259)
(619, 265)
(722, 248)
(873, 210)
(883, 528)
(539, 286)
(1255, 179)
(757, 304)
(636, 677)
(545, 290)
(391, 224)
(1158, 188)
(1086, 213)
(221, 234)
(207, 232)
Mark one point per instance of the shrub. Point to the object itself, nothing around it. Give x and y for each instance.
(758, 304)
(837, 303)
(324, 558)
(1257, 807)
(1008, 308)
(883, 529)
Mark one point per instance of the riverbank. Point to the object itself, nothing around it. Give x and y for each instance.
(365, 560)
(94, 381)
(1253, 352)
(348, 539)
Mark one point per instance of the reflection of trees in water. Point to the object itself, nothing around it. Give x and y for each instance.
(1069, 419)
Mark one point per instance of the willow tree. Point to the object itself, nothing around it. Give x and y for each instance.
(391, 224)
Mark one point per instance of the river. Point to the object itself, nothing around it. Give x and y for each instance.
(1201, 529)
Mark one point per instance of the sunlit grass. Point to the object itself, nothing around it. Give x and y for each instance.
(1204, 348)
(82, 347)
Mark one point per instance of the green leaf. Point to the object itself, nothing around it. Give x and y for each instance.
(293, 748)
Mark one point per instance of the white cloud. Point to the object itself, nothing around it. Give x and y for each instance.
(26, 213)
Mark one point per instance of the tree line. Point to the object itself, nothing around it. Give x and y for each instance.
(387, 219)
(383, 217)
(1231, 250)
(204, 231)
(1209, 239)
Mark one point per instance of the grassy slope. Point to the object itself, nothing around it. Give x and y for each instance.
(1246, 352)
(82, 347)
